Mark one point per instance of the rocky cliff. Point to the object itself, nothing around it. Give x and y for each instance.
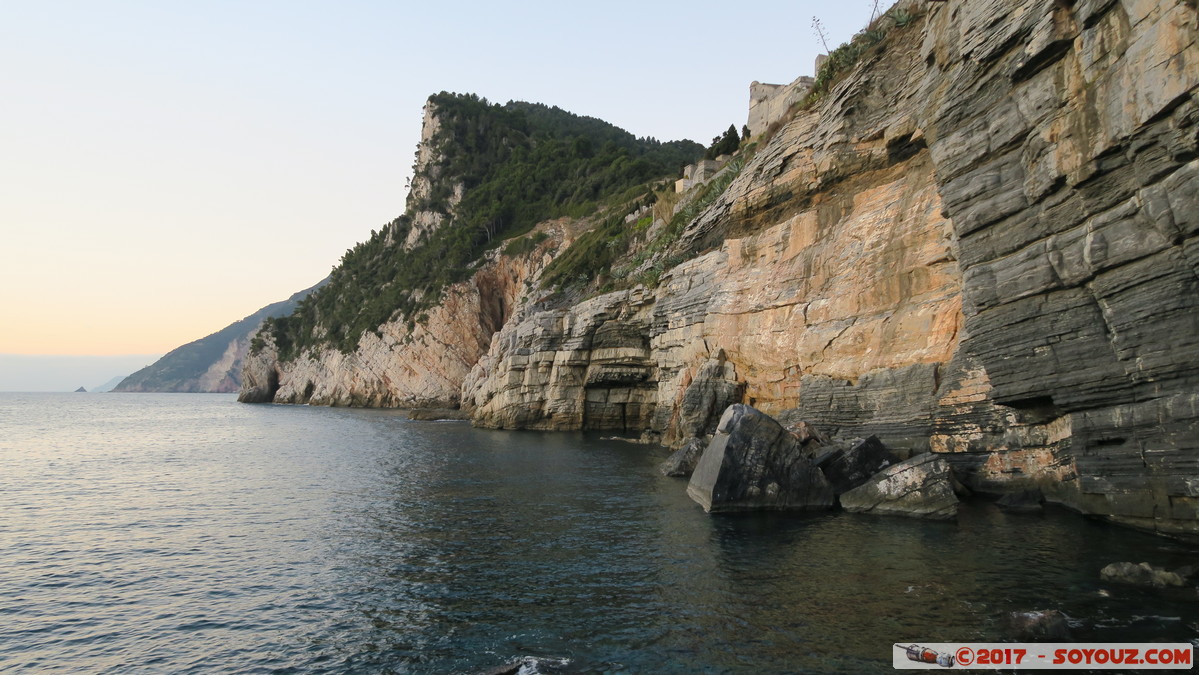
(405, 363)
(212, 364)
(1065, 141)
(981, 241)
(409, 313)
(829, 286)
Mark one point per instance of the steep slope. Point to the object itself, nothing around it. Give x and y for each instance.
(825, 268)
(407, 313)
(404, 363)
(212, 364)
(1065, 139)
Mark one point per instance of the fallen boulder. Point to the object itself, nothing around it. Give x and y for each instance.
(806, 433)
(753, 463)
(921, 487)
(1187, 572)
(1142, 574)
(850, 464)
(682, 462)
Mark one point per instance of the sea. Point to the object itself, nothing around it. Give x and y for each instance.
(188, 533)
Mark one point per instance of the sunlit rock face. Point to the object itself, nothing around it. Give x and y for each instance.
(584, 367)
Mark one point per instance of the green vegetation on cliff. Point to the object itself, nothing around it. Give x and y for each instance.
(616, 255)
(517, 165)
(842, 60)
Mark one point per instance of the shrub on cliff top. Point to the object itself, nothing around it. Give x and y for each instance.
(725, 144)
(842, 59)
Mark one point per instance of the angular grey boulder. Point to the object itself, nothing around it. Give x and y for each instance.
(850, 464)
(682, 462)
(920, 487)
(753, 463)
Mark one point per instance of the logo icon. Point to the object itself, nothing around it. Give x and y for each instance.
(926, 655)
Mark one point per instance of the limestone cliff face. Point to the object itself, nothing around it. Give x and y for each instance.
(222, 374)
(588, 366)
(983, 242)
(427, 217)
(406, 364)
(830, 267)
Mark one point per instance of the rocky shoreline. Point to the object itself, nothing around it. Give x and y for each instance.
(753, 463)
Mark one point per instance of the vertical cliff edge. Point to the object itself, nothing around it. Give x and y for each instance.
(982, 241)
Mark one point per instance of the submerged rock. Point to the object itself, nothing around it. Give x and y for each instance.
(754, 463)
(1024, 501)
(507, 669)
(920, 487)
(1142, 574)
(682, 462)
(848, 465)
(1046, 625)
(1187, 572)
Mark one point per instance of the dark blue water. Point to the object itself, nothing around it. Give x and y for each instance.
(188, 533)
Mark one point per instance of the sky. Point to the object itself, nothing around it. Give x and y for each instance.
(168, 167)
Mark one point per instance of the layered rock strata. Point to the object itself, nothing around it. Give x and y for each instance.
(587, 366)
(1065, 141)
(982, 243)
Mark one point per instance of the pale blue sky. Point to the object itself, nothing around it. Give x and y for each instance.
(169, 167)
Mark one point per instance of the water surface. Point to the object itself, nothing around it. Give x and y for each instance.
(189, 533)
